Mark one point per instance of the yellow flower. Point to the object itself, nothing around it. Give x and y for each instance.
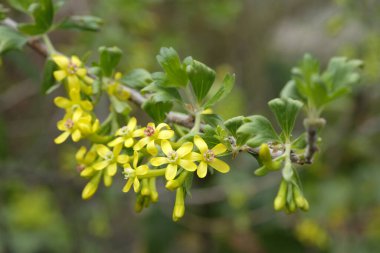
(117, 90)
(132, 173)
(110, 159)
(85, 160)
(208, 157)
(71, 69)
(174, 159)
(76, 124)
(75, 102)
(127, 134)
(153, 134)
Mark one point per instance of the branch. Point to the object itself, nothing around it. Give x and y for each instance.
(135, 96)
(185, 120)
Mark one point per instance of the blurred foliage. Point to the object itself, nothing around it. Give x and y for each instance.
(40, 206)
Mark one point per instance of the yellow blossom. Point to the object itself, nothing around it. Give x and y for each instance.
(117, 90)
(75, 102)
(84, 160)
(208, 157)
(153, 134)
(76, 124)
(126, 134)
(174, 159)
(69, 68)
(110, 159)
(132, 173)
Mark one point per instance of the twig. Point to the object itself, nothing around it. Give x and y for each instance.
(175, 117)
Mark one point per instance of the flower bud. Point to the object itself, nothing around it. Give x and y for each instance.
(179, 205)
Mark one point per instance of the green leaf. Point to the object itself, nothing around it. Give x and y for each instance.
(201, 78)
(212, 119)
(340, 76)
(83, 23)
(121, 107)
(259, 130)
(10, 40)
(175, 72)
(21, 5)
(109, 58)
(233, 124)
(162, 94)
(157, 110)
(286, 111)
(290, 91)
(48, 80)
(137, 79)
(224, 90)
(42, 12)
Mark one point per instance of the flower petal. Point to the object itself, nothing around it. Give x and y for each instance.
(59, 75)
(185, 149)
(136, 184)
(76, 135)
(166, 147)
(86, 105)
(102, 150)
(171, 171)
(116, 150)
(193, 156)
(135, 159)
(151, 148)
(158, 161)
(79, 156)
(165, 134)
(107, 180)
(141, 143)
(111, 169)
(61, 60)
(187, 165)
(161, 125)
(122, 159)
(142, 170)
(77, 114)
(128, 185)
(219, 149)
(202, 169)
(132, 124)
(100, 165)
(200, 143)
(116, 141)
(62, 137)
(62, 102)
(81, 72)
(128, 142)
(75, 60)
(220, 166)
(138, 132)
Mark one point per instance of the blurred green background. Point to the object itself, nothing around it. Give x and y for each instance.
(41, 209)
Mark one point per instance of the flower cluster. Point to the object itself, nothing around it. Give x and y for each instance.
(79, 121)
(141, 153)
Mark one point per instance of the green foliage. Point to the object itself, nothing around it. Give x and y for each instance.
(259, 130)
(201, 78)
(10, 40)
(175, 72)
(42, 12)
(48, 81)
(109, 59)
(317, 89)
(137, 78)
(286, 111)
(83, 23)
(224, 90)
